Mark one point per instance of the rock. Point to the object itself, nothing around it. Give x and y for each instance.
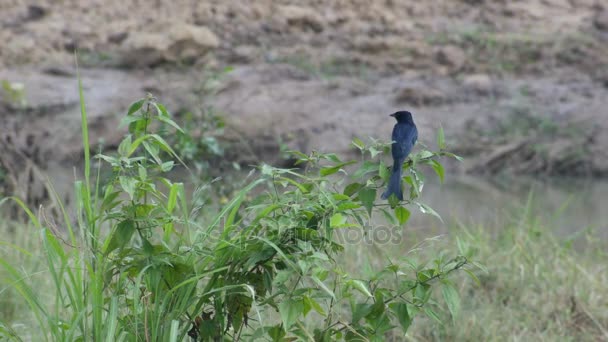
(190, 42)
(451, 56)
(182, 42)
(376, 45)
(145, 49)
(420, 96)
(369, 45)
(479, 83)
(301, 17)
(118, 38)
(600, 21)
(60, 70)
(243, 54)
(35, 12)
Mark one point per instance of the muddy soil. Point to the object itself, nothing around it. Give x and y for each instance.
(518, 86)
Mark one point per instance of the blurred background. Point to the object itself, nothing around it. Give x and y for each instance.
(519, 87)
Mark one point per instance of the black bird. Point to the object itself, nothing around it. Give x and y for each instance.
(405, 135)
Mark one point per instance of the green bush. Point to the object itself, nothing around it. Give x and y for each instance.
(142, 266)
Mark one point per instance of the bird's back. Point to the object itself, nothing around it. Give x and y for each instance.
(404, 137)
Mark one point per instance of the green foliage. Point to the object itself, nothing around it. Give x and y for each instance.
(327, 68)
(14, 93)
(198, 143)
(201, 143)
(540, 284)
(502, 52)
(143, 267)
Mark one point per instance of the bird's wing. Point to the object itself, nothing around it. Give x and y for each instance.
(405, 136)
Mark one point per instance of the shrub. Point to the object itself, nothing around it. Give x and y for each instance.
(142, 266)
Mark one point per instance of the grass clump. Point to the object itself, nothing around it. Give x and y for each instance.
(499, 52)
(539, 287)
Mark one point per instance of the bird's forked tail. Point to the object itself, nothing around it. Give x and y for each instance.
(394, 183)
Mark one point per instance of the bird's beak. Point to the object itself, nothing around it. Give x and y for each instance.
(393, 115)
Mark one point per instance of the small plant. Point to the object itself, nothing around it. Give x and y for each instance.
(14, 93)
(200, 142)
(142, 266)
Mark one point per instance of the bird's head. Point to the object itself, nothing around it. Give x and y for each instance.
(403, 116)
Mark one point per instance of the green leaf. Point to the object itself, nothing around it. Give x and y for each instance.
(424, 275)
(139, 125)
(172, 200)
(306, 234)
(361, 310)
(143, 172)
(135, 106)
(425, 209)
(303, 188)
(153, 151)
(390, 218)
(452, 155)
(160, 142)
(402, 214)
(324, 287)
(125, 146)
(162, 110)
(424, 154)
(326, 171)
(167, 166)
(480, 266)
(348, 205)
(439, 170)
(415, 187)
(352, 188)
(121, 235)
(403, 316)
(315, 305)
(109, 199)
(451, 297)
(393, 201)
(331, 156)
(290, 310)
(339, 196)
(358, 143)
(367, 196)
(383, 171)
(275, 332)
(337, 220)
(422, 292)
(307, 306)
(430, 313)
(265, 212)
(113, 161)
(472, 276)
(373, 152)
(440, 138)
(128, 184)
(360, 286)
(366, 168)
(128, 120)
(170, 122)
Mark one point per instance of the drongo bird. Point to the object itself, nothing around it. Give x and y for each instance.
(404, 138)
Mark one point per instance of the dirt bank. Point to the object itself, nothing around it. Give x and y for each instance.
(519, 87)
